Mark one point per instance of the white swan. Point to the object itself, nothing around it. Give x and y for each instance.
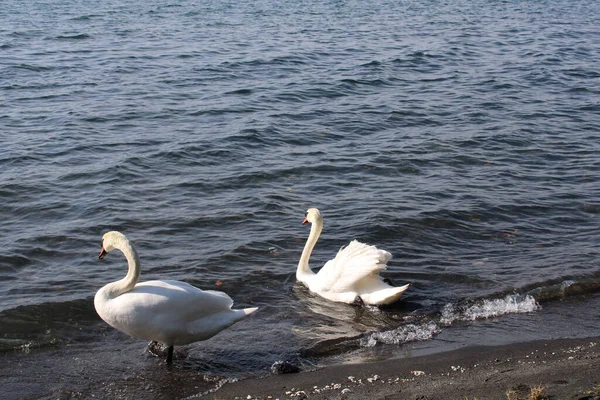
(354, 272)
(170, 312)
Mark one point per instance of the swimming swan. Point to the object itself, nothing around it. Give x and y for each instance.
(170, 312)
(354, 272)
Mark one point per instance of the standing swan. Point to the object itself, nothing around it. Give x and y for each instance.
(354, 272)
(170, 312)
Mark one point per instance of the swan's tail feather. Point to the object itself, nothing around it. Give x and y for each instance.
(385, 296)
(241, 313)
(249, 311)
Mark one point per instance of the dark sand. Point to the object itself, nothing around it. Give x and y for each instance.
(565, 369)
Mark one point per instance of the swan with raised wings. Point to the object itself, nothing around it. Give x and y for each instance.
(352, 274)
(165, 311)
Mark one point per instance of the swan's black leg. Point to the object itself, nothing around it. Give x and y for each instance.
(170, 355)
(388, 281)
(358, 301)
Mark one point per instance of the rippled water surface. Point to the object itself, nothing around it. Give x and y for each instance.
(461, 136)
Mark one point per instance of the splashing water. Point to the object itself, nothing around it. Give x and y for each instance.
(511, 304)
(403, 334)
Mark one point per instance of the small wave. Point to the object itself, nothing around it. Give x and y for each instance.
(350, 83)
(30, 67)
(404, 334)
(591, 208)
(511, 304)
(487, 308)
(240, 92)
(565, 288)
(46, 325)
(13, 262)
(73, 37)
(86, 17)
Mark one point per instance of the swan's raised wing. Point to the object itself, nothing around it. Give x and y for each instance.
(352, 263)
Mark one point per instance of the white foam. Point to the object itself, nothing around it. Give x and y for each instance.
(403, 334)
(511, 304)
(449, 314)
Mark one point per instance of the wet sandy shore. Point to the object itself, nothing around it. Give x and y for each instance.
(560, 369)
(565, 369)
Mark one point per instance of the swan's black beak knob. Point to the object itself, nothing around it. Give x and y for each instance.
(102, 253)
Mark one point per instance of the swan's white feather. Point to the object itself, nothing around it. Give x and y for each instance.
(351, 265)
(167, 311)
(354, 272)
(171, 312)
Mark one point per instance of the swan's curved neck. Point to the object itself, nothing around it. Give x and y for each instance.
(133, 274)
(303, 268)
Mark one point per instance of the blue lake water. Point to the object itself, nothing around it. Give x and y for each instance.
(461, 136)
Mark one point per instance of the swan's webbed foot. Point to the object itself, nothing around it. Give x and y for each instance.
(158, 350)
(155, 348)
(169, 359)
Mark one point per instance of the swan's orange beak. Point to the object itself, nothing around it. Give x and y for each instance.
(305, 221)
(102, 253)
